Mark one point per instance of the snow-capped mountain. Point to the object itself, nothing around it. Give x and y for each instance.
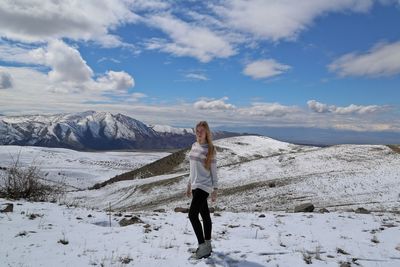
(94, 131)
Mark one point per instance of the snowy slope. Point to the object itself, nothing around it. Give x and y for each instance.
(258, 176)
(259, 173)
(166, 129)
(76, 169)
(32, 234)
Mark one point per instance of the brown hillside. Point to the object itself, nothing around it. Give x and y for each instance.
(395, 148)
(159, 167)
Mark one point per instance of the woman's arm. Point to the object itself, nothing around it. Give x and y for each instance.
(213, 169)
(214, 177)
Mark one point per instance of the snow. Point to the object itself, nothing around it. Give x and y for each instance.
(77, 169)
(114, 126)
(339, 178)
(169, 129)
(239, 239)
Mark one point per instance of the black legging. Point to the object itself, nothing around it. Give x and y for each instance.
(199, 205)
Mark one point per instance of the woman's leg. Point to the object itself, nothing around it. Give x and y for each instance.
(199, 197)
(207, 224)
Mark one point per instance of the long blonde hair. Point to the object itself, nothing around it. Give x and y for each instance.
(211, 149)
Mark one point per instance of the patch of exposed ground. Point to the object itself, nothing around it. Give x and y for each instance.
(162, 166)
(395, 148)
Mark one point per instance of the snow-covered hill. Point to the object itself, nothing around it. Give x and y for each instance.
(79, 170)
(92, 130)
(261, 180)
(259, 173)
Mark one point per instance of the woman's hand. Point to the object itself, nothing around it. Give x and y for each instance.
(189, 191)
(214, 195)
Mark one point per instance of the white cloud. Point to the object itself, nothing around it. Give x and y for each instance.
(109, 59)
(381, 60)
(188, 39)
(319, 107)
(68, 71)
(276, 20)
(267, 109)
(218, 104)
(40, 21)
(6, 81)
(31, 86)
(356, 109)
(351, 109)
(65, 62)
(115, 81)
(17, 53)
(264, 68)
(135, 97)
(152, 5)
(197, 76)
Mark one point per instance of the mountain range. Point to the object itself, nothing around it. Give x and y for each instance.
(91, 130)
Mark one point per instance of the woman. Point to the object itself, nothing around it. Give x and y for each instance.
(203, 181)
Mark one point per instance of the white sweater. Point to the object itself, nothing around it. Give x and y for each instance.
(200, 177)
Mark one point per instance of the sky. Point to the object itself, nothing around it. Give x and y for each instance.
(257, 63)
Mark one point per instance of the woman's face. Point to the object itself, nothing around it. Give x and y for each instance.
(201, 134)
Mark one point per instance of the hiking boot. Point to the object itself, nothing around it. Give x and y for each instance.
(208, 243)
(203, 251)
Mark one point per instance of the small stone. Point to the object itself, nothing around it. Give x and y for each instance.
(306, 207)
(159, 210)
(23, 233)
(362, 211)
(126, 260)
(63, 241)
(375, 240)
(261, 216)
(389, 225)
(133, 220)
(183, 210)
(9, 208)
(323, 210)
(341, 251)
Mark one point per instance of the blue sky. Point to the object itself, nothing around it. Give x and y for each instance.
(317, 64)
